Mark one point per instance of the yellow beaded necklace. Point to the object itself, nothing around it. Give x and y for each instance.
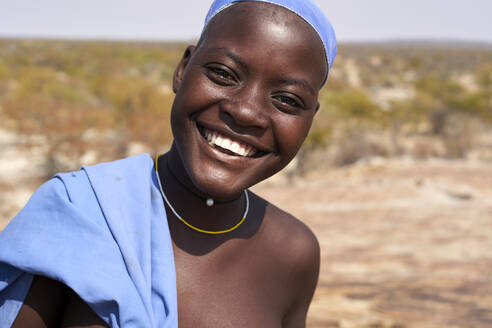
(188, 224)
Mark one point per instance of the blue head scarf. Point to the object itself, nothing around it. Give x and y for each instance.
(305, 9)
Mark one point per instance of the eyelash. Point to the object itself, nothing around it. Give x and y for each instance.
(220, 76)
(288, 101)
(288, 104)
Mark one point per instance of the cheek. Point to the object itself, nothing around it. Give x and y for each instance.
(290, 133)
(196, 93)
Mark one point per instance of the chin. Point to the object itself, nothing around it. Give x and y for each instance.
(218, 182)
(223, 180)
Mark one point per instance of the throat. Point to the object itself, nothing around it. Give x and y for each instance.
(200, 214)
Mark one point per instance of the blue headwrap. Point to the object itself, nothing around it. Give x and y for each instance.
(305, 9)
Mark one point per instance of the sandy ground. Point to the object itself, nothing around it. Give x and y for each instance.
(404, 244)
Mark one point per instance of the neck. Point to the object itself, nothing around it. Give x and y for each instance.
(190, 202)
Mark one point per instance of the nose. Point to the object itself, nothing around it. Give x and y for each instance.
(247, 108)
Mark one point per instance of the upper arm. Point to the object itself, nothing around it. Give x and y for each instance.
(43, 305)
(79, 314)
(50, 303)
(306, 259)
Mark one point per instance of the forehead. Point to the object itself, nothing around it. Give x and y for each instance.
(247, 17)
(264, 29)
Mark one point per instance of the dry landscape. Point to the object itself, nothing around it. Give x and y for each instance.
(395, 177)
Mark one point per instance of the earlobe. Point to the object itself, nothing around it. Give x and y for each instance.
(179, 72)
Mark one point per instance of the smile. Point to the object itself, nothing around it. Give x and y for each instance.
(228, 145)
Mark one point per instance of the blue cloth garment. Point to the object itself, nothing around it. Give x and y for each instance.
(306, 9)
(102, 231)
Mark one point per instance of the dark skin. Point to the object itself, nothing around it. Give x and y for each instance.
(50, 303)
(254, 78)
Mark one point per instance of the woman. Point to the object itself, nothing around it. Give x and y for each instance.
(132, 243)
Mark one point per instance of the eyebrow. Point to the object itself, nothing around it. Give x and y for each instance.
(232, 56)
(294, 81)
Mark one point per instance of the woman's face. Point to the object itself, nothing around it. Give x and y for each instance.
(246, 97)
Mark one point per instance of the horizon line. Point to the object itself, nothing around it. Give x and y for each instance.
(194, 40)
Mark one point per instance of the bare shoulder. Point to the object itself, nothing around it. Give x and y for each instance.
(293, 254)
(290, 237)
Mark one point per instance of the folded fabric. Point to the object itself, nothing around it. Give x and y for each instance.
(103, 232)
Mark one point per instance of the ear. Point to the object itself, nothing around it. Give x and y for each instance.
(179, 72)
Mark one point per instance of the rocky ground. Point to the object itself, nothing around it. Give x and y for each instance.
(404, 243)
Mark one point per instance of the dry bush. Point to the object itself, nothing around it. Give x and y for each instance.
(456, 146)
(424, 147)
(354, 145)
(459, 138)
(80, 100)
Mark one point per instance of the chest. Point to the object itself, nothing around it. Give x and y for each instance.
(228, 289)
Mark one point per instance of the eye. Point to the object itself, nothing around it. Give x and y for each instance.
(220, 72)
(287, 103)
(220, 75)
(287, 100)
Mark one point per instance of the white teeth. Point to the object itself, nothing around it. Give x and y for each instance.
(208, 136)
(226, 143)
(222, 141)
(250, 151)
(235, 148)
(242, 150)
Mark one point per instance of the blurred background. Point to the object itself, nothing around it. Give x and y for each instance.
(395, 177)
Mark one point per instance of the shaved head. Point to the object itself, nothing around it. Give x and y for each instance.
(266, 18)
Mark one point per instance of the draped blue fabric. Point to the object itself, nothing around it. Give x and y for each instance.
(102, 231)
(306, 9)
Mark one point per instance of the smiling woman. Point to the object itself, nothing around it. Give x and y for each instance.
(136, 244)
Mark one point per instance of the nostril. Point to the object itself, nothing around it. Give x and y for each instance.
(245, 113)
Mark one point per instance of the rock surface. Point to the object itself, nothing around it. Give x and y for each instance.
(404, 243)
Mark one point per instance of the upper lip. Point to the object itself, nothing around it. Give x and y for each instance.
(241, 138)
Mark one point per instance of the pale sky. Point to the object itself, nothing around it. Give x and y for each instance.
(354, 20)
